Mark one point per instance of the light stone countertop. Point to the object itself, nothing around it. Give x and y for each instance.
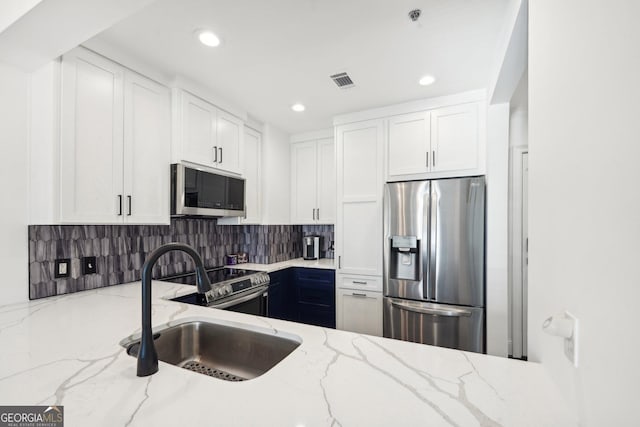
(323, 263)
(65, 350)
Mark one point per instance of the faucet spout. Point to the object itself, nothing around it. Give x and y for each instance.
(147, 355)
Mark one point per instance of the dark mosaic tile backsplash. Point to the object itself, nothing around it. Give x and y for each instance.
(121, 250)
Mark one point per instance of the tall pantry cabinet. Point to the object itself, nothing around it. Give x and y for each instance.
(358, 245)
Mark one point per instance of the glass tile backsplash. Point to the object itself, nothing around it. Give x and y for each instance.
(121, 250)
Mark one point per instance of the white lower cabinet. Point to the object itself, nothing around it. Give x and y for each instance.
(359, 311)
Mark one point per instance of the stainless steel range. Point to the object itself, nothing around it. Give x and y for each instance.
(233, 289)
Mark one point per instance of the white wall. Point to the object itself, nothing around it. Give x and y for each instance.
(497, 228)
(12, 10)
(14, 259)
(584, 215)
(276, 190)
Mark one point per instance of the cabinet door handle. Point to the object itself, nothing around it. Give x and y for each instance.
(427, 159)
(339, 259)
(318, 214)
(215, 154)
(358, 282)
(313, 214)
(119, 204)
(358, 295)
(220, 154)
(433, 157)
(129, 200)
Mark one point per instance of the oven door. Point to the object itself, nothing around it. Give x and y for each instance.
(252, 302)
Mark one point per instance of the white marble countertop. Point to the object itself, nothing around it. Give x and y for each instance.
(65, 350)
(324, 263)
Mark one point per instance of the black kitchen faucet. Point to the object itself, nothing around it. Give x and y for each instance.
(147, 356)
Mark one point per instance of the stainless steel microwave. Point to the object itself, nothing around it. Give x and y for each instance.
(199, 192)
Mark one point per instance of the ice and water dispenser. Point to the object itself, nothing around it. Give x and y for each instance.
(405, 258)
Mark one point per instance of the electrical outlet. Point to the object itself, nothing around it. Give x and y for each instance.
(61, 268)
(89, 265)
(571, 343)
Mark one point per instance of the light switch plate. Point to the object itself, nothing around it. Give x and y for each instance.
(571, 343)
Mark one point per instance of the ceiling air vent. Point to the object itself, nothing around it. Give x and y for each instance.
(342, 80)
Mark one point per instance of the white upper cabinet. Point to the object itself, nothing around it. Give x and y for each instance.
(91, 146)
(229, 136)
(454, 138)
(146, 150)
(208, 136)
(326, 213)
(435, 143)
(313, 182)
(198, 121)
(409, 143)
(114, 143)
(304, 178)
(359, 198)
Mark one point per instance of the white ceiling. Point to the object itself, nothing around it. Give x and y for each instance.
(279, 52)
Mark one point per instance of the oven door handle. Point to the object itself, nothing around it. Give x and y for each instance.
(447, 312)
(257, 293)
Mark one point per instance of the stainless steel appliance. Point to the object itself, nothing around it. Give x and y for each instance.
(233, 289)
(311, 247)
(199, 192)
(434, 238)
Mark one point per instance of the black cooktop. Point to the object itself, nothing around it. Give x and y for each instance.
(216, 275)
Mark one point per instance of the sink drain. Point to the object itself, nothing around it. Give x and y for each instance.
(215, 373)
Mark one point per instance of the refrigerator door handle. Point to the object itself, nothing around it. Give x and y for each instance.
(433, 250)
(446, 312)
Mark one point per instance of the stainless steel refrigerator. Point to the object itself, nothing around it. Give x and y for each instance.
(434, 266)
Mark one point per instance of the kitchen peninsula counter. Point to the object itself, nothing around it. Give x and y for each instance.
(65, 350)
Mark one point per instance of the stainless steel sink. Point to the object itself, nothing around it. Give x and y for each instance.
(227, 351)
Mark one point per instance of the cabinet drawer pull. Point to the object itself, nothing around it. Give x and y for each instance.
(358, 282)
(358, 295)
(215, 154)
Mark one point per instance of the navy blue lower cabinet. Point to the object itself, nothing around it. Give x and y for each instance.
(280, 302)
(315, 296)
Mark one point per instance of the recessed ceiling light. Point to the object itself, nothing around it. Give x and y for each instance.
(298, 108)
(207, 38)
(426, 80)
